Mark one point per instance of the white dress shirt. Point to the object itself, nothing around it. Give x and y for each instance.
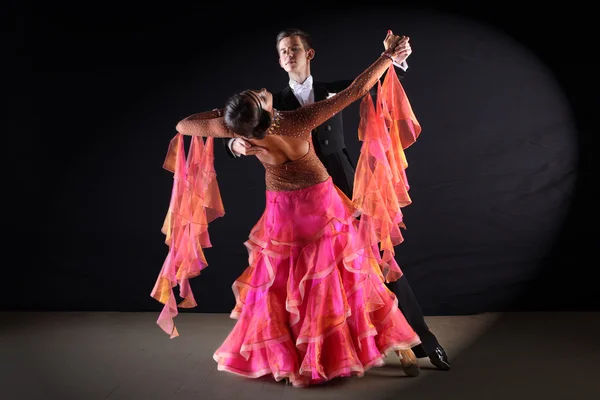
(303, 91)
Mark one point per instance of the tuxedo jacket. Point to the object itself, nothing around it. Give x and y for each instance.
(328, 138)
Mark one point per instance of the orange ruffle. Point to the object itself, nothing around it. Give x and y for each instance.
(195, 202)
(380, 183)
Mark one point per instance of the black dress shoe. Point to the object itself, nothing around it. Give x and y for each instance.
(439, 358)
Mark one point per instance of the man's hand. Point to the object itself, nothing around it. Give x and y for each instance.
(400, 46)
(243, 147)
(402, 50)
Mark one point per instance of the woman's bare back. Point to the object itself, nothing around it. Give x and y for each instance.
(282, 149)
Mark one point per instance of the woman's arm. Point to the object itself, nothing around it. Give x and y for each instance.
(317, 113)
(209, 123)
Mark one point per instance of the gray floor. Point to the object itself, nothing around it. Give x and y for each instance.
(87, 355)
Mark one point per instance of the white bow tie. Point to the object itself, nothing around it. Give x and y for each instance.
(305, 86)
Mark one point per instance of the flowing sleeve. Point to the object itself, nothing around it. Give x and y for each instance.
(195, 202)
(380, 183)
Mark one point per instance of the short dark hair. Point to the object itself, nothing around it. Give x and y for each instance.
(244, 117)
(304, 37)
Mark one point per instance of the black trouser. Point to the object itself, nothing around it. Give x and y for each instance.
(340, 168)
(408, 304)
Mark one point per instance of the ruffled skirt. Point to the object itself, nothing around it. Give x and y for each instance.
(312, 305)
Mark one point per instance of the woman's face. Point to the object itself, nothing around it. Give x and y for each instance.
(265, 97)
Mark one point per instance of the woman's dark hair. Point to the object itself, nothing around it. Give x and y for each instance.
(244, 116)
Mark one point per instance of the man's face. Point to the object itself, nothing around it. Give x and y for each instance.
(293, 56)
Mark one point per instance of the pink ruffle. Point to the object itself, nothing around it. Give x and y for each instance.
(312, 304)
(195, 202)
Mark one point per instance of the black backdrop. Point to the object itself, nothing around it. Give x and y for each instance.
(502, 215)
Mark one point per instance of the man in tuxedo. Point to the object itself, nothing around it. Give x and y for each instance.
(295, 51)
